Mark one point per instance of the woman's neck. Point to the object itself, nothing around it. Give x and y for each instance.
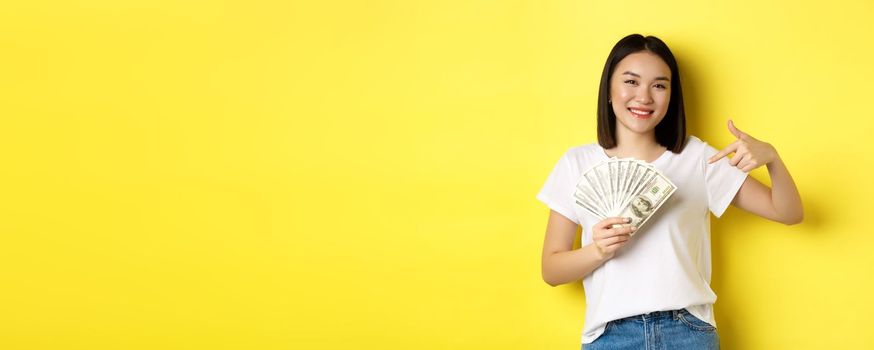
(638, 146)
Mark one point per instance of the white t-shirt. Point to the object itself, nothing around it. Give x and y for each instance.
(666, 265)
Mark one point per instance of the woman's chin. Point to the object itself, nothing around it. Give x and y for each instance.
(643, 126)
(640, 129)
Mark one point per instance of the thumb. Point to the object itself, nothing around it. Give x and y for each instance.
(735, 131)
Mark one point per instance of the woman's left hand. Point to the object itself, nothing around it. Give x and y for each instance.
(749, 153)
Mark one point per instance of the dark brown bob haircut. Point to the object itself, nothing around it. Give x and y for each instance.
(671, 131)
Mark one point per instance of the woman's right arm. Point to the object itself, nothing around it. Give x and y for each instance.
(562, 264)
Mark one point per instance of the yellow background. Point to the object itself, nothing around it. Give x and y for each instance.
(361, 174)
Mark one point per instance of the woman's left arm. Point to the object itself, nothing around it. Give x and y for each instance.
(781, 203)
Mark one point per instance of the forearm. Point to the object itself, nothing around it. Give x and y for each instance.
(568, 266)
(784, 195)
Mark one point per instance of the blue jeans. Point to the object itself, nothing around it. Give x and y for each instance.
(662, 330)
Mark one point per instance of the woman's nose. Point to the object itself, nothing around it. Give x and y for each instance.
(644, 96)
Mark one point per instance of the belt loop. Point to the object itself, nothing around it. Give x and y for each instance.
(674, 314)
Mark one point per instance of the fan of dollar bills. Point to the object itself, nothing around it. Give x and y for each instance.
(623, 188)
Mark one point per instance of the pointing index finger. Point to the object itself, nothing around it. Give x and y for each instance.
(724, 152)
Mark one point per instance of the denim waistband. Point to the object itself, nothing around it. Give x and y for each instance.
(655, 315)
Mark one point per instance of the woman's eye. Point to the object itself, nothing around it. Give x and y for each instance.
(632, 82)
(660, 86)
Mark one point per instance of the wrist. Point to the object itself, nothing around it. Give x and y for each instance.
(774, 155)
(600, 254)
(774, 161)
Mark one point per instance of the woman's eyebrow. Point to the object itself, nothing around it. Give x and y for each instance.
(636, 75)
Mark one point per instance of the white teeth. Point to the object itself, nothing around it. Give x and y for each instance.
(636, 111)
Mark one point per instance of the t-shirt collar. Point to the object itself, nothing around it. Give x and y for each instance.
(602, 154)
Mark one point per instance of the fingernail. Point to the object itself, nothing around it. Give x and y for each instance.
(633, 228)
(627, 219)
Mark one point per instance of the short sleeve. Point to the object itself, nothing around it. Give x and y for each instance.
(556, 193)
(722, 181)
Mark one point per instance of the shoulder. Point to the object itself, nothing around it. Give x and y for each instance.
(588, 149)
(579, 157)
(697, 148)
(694, 144)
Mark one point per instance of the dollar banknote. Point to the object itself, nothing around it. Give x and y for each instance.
(623, 188)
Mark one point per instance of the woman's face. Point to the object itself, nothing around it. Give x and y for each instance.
(640, 91)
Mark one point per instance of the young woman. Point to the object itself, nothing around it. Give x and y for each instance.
(653, 290)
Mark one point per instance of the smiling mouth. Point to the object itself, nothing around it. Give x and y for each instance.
(640, 113)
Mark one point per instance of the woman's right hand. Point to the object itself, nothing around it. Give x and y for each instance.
(608, 239)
